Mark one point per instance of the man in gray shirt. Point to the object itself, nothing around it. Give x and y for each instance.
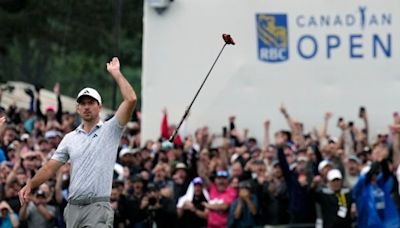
(92, 150)
(37, 212)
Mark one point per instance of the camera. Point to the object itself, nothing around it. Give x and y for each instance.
(40, 194)
(224, 132)
(361, 112)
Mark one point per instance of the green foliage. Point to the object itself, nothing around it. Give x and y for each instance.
(69, 41)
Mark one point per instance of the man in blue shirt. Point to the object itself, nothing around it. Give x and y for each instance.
(244, 209)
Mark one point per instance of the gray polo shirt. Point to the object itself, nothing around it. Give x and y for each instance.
(92, 155)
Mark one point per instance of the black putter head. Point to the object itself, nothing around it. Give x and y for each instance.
(228, 39)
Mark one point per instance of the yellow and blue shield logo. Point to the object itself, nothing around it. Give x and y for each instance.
(272, 36)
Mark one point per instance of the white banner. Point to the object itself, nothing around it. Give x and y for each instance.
(312, 55)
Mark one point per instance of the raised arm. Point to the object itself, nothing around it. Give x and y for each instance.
(280, 142)
(127, 106)
(295, 127)
(13, 217)
(3, 120)
(364, 117)
(283, 163)
(324, 132)
(288, 118)
(39, 112)
(59, 113)
(266, 134)
(395, 129)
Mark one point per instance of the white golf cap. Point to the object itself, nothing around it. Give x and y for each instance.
(365, 169)
(334, 174)
(180, 165)
(89, 92)
(302, 159)
(323, 164)
(128, 150)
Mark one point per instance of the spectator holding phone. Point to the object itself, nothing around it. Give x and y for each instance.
(37, 212)
(8, 219)
(372, 193)
(160, 210)
(243, 210)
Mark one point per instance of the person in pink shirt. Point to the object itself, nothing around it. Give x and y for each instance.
(221, 197)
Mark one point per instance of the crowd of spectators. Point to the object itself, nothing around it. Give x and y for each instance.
(293, 178)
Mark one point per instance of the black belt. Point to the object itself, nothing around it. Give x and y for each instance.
(83, 202)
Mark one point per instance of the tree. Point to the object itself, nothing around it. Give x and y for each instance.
(69, 41)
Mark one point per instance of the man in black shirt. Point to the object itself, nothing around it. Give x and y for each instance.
(192, 212)
(135, 215)
(336, 202)
(159, 209)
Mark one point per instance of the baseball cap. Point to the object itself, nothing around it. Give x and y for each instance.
(222, 173)
(50, 108)
(136, 178)
(245, 184)
(322, 164)
(334, 174)
(167, 145)
(24, 137)
(333, 140)
(127, 150)
(52, 134)
(11, 146)
(180, 165)
(30, 154)
(354, 158)
(197, 180)
(151, 187)
(258, 162)
(302, 159)
(89, 92)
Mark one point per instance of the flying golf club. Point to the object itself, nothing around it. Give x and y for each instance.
(228, 41)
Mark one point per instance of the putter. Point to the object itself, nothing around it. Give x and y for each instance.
(228, 40)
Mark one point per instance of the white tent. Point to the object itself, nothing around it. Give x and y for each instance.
(18, 97)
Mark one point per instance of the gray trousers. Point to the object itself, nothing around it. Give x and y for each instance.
(98, 214)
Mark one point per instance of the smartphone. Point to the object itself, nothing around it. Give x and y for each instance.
(224, 132)
(339, 121)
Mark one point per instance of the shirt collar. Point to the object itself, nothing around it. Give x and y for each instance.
(98, 125)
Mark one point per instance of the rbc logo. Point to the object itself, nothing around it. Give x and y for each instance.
(272, 36)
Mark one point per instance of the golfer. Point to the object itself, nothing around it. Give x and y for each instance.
(92, 150)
